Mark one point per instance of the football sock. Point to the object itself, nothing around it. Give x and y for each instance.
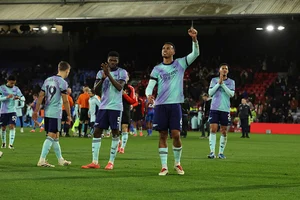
(56, 147)
(96, 144)
(85, 129)
(113, 149)
(223, 141)
(3, 136)
(163, 154)
(177, 154)
(212, 142)
(80, 129)
(124, 139)
(12, 134)
(46, 147)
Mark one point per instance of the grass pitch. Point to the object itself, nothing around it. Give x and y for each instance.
(263, 167)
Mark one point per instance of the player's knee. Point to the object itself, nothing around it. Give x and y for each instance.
(213, 130)
(224, 132)
(163, 137)
(176, 136)
(11, 126)
(115, 133)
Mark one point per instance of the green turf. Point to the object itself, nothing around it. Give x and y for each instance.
(263, 167)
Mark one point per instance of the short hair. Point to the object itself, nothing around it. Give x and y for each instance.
(170, 43)
(63, 66)
(35, 94)
(222, 64)
(86, 89)
(113, 54)
(11, 78)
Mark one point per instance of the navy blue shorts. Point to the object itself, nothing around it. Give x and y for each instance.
(52, 125)
(8, 118)
(149, 117)
(219, 117)
(108, 118)
(167, 117)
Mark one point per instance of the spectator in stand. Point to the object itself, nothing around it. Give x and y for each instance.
(294, 104)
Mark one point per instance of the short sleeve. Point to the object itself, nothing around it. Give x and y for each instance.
(64, 87)
(183, 62)
(154, 73)
(232, 85)
(19, 93)
(44, 86)
(99, 75)
(123, 75)
(212, 83)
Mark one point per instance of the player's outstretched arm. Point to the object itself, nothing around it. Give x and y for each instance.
(195, 46)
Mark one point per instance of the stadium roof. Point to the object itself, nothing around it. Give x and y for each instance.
(55, 10)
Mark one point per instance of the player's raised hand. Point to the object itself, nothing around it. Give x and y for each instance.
(103, 75)
(221, 79)
(193, 33)
(106, 68)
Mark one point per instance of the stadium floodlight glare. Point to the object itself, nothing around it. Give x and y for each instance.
(280, 28)
(259, 29)
(44, 28)
(36, 29)
(270, 28)
(53, 29)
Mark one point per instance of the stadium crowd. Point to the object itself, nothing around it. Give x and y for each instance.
(272, 96)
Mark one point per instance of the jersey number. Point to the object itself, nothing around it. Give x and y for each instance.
(51, 90)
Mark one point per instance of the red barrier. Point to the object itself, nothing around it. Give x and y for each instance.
(275, 128)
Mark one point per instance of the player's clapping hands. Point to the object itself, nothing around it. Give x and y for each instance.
(221, 79)
(106, 68)
(10, 96)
